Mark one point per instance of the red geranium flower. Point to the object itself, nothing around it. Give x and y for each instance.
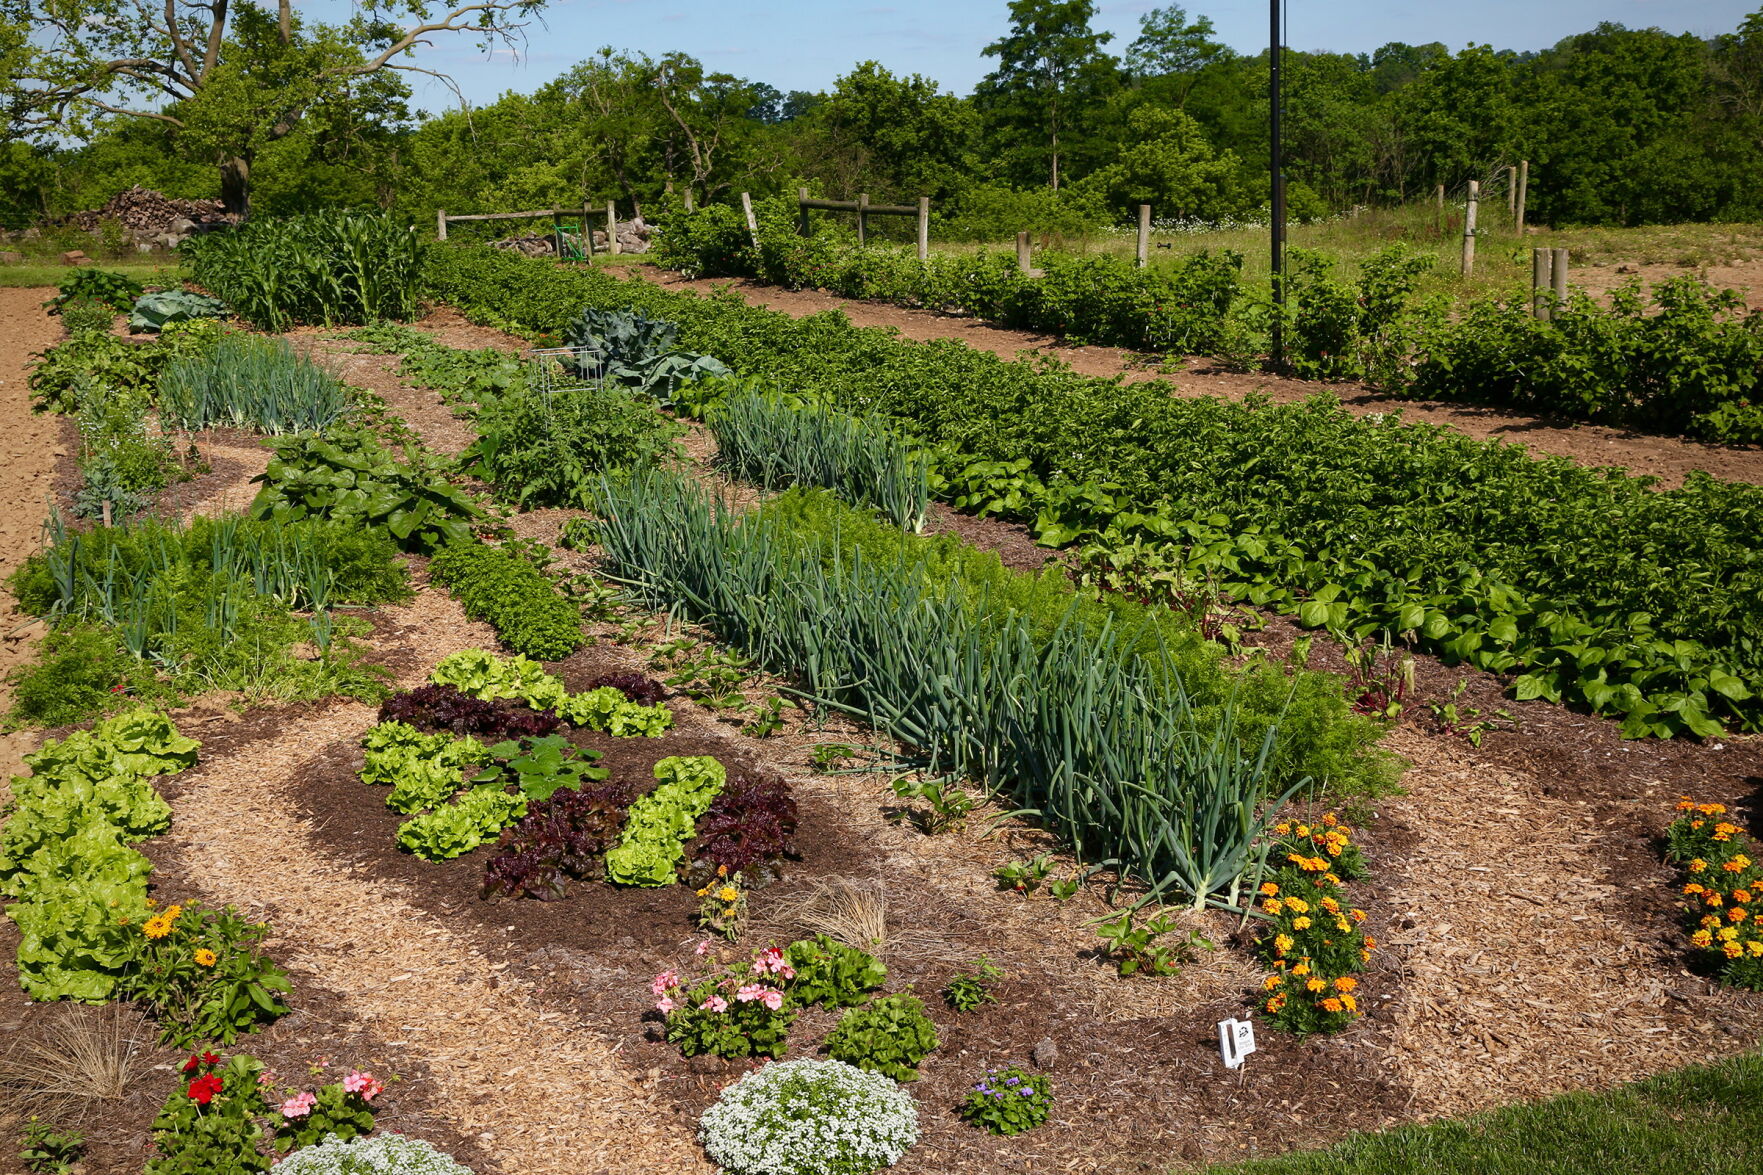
(210, 1059)
(191, 1064)
(203, 1089)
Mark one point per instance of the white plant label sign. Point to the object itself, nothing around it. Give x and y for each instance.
(1236, 1040)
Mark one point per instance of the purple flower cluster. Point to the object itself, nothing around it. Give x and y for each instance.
(1010, 1085)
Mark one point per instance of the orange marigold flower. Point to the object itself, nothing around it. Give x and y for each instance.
(1711, 897)
(1693, 887)
(1737, 913)
(1303, 830)
(1710, 920)
(1697, 865)
(1332, 906)
(1724, 831)
(1756, 948)
(1283, 943)
(1276, 1003)
(1272, 982)
(1727, 933)
(1731, 950)
(1282, 828)
(1351, 1004)
(1272, 906)
(1315, 985)
(1331, 1005)
(1298, 905)
(1268, 889)
(1303, 968)
(1328, 818)
(1741, 895)
(1358, 915)
(1300, 923)
(1345, 983)
(1702, 938)
(1684, 803)
(1364, 955)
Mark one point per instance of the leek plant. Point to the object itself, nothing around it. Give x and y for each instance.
(252, 383)
(776, 441)
(1107, 750)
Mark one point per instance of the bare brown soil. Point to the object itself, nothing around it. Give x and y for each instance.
(28, 457)
(1667, 458)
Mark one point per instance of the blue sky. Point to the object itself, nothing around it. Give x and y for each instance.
(799, 46)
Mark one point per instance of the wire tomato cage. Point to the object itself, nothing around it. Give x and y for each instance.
(562, 369)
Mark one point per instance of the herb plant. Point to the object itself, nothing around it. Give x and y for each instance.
(971, 989)
(829, 973)
(1008, 1101)
(890, 1034)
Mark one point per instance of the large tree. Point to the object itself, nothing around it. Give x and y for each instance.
(234, 76)
(1051, 70)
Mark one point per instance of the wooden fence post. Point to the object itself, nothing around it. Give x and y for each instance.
(612, 227)
(1523, 191)
(752, 224)
(801, 211)
(440, 224)
(1540, 260)
(1022, 252)
(1469, 227)
(587, 233)
(1144, 254)
(1558, 276)
(1512, 191)
(862, 216)
(691, 203)
(924, 228)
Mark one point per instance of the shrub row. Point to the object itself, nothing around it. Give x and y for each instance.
(512, 596)
(1590, 586)
(1685, 359)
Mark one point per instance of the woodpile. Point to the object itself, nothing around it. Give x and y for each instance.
(150, 217)
(633, 237)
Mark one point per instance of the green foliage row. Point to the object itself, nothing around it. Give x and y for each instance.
(491, 678)
(97, 357)
(777, 441)
(347, 476)
(122, 459)
(1102, 745)
(78, 890)
(499, 587)
(1590, 586)
(327, 267)
(157, 610)
(653, 843)
(1686, 360)
(1100, 299)
(245, 381)
(890, 1035)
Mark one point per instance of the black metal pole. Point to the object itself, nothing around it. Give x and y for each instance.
(1276, 167)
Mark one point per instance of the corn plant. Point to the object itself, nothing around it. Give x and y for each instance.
(329, 267)
(1102, 747)
(777, 441)
(252, 383)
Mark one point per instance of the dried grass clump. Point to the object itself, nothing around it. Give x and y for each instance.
(69, 1067)
(854, 911)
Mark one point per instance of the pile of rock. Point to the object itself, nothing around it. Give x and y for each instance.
(633, 237)
(153, 218)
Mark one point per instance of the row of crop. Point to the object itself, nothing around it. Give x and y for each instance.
(1686, 360)
(78, 890)
(1589, 586)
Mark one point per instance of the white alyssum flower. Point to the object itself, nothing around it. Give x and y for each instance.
(809, 1118)
(382, 1154)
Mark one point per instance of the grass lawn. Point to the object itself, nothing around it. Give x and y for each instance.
(49, 273)
(1697, 1121)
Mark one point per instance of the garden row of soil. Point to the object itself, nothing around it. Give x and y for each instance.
(1667, 458)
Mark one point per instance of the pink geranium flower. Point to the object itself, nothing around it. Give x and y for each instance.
(714, 1004)
(299, 1105)
(772, 999)
(750, 993)
(365, 1084)
(665, 1006)
(663, 981)
(702, 949)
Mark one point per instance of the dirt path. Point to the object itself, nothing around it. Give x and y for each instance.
(541, 1095)
(28, 456)
(1666, 458)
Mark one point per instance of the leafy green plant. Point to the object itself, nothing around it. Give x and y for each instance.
(829, 973)
(456, 828)
(768, 719)
(513, 596)
(91, 358)
(971, 989)
(890, 1035)
(537, 767)
(349, 477)
(543, 448)
(1024, 877)
(156, 311)
(116, 290)
(946, 805)
(710, 1016)
(1008, 1101)
(1065, 888)
(49, 1150)
(487, 676)
(706, 673)
(202, 975)
(1153, 947)
(827, 756)
(249, 382)
(653, 842)
(422, 769)
(333, 1111)
(1468, 722)
(87, 314)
